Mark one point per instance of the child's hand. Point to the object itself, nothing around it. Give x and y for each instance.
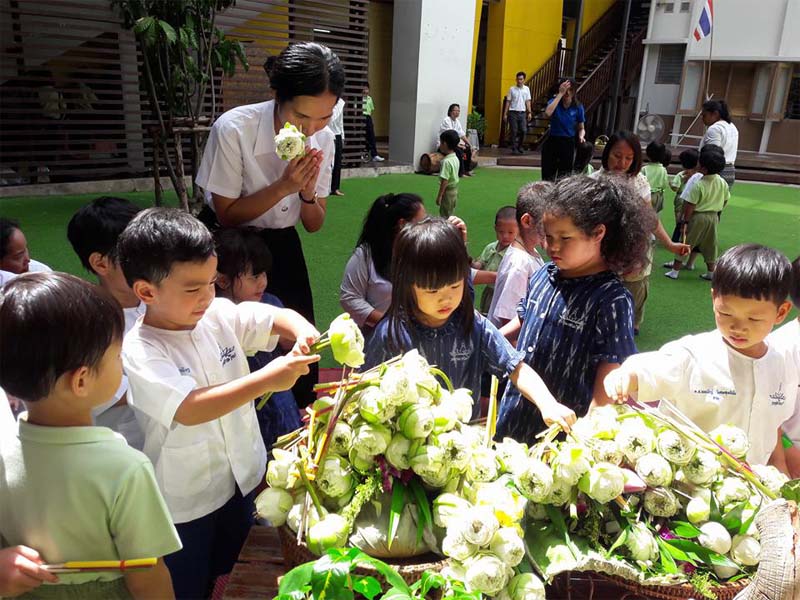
(460, 225)
(305, 338)
(21, 571)
(619, 384)
(556, 412)
(284, 371)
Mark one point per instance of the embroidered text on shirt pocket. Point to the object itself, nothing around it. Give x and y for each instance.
(186, 469)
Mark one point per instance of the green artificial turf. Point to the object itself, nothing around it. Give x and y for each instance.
(768, 214)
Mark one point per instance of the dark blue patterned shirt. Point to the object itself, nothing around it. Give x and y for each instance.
(463, 360)
(569, 327)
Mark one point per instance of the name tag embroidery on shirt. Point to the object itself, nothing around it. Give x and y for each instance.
(778, 398)
(575, 321)
(226, 354)
(460, 353)
(184, 370)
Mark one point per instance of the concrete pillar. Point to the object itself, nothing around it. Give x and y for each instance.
(431, 62)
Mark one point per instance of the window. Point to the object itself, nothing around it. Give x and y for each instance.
(685, 6)
(670, 64)
(793, 101)
(669, 7)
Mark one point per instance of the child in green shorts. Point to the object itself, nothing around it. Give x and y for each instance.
(506, 230)
(448, 174)
(656, 173)
(701, 210)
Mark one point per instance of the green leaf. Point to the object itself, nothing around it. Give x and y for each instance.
(703, 554)
(667, 562)
(143, 24)
(679, 554)
(429, 581)
(296, 579)
(329, 578)
(424, 516)
(391, 576)
(395, 510)
(561, 526)
(791, 490)
(749, 521)
(367, 586)
(397, 594)
(732, 520)
(169, 32)
(621, 538)
(684, 529)
(714, 513)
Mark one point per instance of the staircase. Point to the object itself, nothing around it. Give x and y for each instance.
(597, 51)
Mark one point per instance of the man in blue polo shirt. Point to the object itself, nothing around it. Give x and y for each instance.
(566, 120)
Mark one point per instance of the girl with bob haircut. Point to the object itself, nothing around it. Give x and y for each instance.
(575, 323)
(247, 184)
(432, 312)
(366, 289)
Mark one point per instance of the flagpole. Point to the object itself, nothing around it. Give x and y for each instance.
(710, 49)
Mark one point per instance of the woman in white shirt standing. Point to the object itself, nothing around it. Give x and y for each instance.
(247, 184)
(464, 151)
(721, 132)
(337, 127)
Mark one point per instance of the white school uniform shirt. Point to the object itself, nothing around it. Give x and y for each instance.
(511, 285)
(448, 124)
(240, 159)
(786, 339)
(336, 124)
(198, 466)
(712, 384)
(517, 97)
(8, 424)
(726, 136)
(363, 289)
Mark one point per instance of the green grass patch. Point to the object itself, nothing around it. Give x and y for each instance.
(768, 214)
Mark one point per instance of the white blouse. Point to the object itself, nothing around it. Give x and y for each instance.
(726, 136)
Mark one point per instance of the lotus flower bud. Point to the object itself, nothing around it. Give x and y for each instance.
(371, 439)
(282, 470)
(771, 477)
(486, 574)
(732, 490)
(447, 507)
(457, 452)
(654, 470)
(373, 406)
(330, 532)
(290, 142)
(661, 502)
(482, 465)
(274, 504)
(698, 509)
(347, 341)
(415, 421)
(635, 439)
(606, 451)
(397, 452)
(674, 447)
(459, 403)
(335, 477)
(511, 454)
(745, 550)
(535, 481)
(570, 463)
(641, 543)
(733, 439)
(479, 525)
(702, 469)
(526, 586)
(508, 546)
(455, 546)
(603, 482)
(715, 537)
(341, 438)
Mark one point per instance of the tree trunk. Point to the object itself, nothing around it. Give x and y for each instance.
(158, 192)
(178, 181)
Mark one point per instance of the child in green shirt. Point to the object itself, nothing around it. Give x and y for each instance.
(506, 230)
(656, 173)
(448, 174)
(583, 158)
(367, 108)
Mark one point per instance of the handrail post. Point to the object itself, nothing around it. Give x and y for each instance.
(573, 68)
(612, 114)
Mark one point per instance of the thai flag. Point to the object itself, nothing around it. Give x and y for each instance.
(706, 18)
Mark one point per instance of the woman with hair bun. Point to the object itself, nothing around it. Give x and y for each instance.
(248, 184)
(723, 133)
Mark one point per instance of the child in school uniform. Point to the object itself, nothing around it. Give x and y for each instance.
(93, 232)
(701, 210)
(14, 255)
(656, 173)
(688, 159)
(447, 196)
(730, 375)
(69, 490)
(189, 379)
(584, 152)
(506, 230)
(522, 259)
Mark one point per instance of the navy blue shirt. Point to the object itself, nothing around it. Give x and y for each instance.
(569, 326)
(564, 121)
(463, 360)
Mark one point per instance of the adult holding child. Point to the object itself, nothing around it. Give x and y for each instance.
(464, 150)
(248, 184)
(566, 123)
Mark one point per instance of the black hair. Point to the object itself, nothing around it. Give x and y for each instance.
(633, 141)
(451, 107)
(7, 227)
(689, 158)
(505, 213)
(156, 239)
(381, 226)
(794, 293)
(431, 255)
(450, 138)
(655, 152)
(574, 88)
(629, 222)
(712, 159)
(269, 64)
(753, 271)
(584, 152)
(718, 106)
(666, 158)
(97, 226)
(531, 200)
(520, 73)
(53, 323)
(306, 69)
(240, 248)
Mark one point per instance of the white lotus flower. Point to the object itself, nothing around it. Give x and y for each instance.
(274, 504)
(536, 511)
(482, 465)
(715, 537)
(457, 451)
(479, 525)
(535, 481)
(290, 142)
(335, 477)
(373, 406)
(745, 550)
(428, 463)
(603, 482)
(455, 546)
(635, 439)
(606, 451)
(560, 493)
(570, 463)
(447, 507)
(443, 419)
(508, 504)
(282, 470)
(486, 574)
(397, 387)
(699, 508)
(675, 447)
(725, 572)
(371, 439)
(341, 438)
(415, 421)
(397, 452)
(511, 454)
(295, 516)
(508, 546)
(330, 532)
(733, 439)
(459, 404)
(361, 462)
(641, 543)
(654, 470)
(526, 586)
(661, 502)
(702, 469)
(771, 477)
(600, 423)
(347, 341)
(731, 490)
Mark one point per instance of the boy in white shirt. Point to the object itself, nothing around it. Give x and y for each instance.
(729, 375)
(521, 260)
(189, 379)
(93, 232)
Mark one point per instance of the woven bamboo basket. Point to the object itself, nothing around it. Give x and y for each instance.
(685, 591)
(410, 569)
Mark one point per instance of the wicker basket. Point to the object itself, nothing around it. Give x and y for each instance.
(410, 569)
(683, 591)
